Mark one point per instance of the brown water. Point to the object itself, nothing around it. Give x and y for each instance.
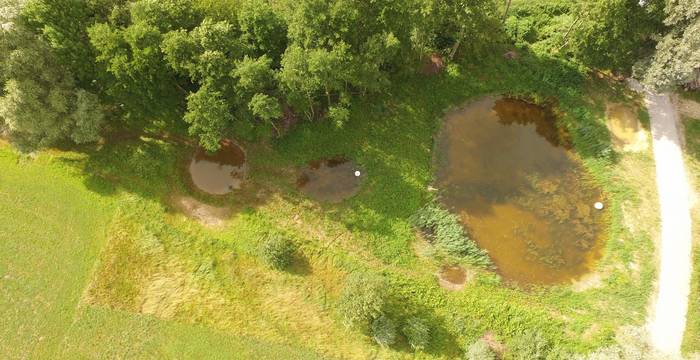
(504, 168)
(218, 173)
(331, 180)
(453, 274)
(627, 133)
(452, 277)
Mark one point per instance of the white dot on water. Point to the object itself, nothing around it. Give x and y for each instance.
(598, 205)
(357, 173)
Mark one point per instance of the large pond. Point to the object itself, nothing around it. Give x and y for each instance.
(506, 170)
(218, 173)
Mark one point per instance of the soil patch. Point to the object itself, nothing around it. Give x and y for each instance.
(221, 172)
(627, 133)
(504, 168)
(206, 214)
(331, 180)
(433, 65)
(453, 277)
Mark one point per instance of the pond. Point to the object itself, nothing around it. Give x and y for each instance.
(508, 172)
(331, 180)
(221, 172)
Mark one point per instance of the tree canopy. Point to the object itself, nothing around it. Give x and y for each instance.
(676, 60)
(223, 68)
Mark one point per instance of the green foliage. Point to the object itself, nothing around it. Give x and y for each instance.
(137, 78)
(383, 331)
(615, 34)
(208, 116)
(63, 25)
(443, 229)
(692, 137)
(262, 29)
(362, 300)
(479, 350)
(417, 333)
(675, 61)
(529, 345)
(538, 23)
(265, 107)
(277, 252)
(39, 103)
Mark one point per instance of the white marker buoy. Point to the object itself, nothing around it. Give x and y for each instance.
(598, 205)
(357, 173)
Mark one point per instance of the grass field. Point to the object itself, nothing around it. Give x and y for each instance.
(102, 265)
(691, 341)
(52, 231)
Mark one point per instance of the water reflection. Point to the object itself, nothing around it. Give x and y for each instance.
(504, 168)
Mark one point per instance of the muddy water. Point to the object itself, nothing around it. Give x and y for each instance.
(218, 173)
(330, 180)
(453, 274)
(506, 170)
(627, 133)
(452, 277)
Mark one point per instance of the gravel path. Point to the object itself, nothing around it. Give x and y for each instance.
(667, 320)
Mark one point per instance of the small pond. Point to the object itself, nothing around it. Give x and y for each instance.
(221, 172)
(331, 180)
(506, 170)
(452, 277)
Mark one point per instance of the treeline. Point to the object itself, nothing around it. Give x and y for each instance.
(221, 68)
(225, 67)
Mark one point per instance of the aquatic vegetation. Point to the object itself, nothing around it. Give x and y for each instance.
(443, 229)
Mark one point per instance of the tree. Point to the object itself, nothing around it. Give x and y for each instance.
(262, 29)
(266, 108)
(40, 104)
(165, 15)
(362, 300)
(137, 77)
(63, 25)
(453, 25)
(676, 60)
(253, 75)
(208, 116)
(614, 34)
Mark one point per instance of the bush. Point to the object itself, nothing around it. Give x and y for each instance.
(277, 252)
(530, 345)
(443, 229)
(384, 331)
(480, 350)
(362, 300)
(417, 333)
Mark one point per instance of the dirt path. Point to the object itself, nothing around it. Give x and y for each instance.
(666, 322)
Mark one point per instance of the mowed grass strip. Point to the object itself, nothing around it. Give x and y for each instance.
(51, 230)
(691, 340)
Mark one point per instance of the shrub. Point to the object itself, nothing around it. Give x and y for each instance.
(530, 345)
(277, 252)
(443, 229)
(417, 333)
(480, 350)
(361, 300)
(384, 331)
